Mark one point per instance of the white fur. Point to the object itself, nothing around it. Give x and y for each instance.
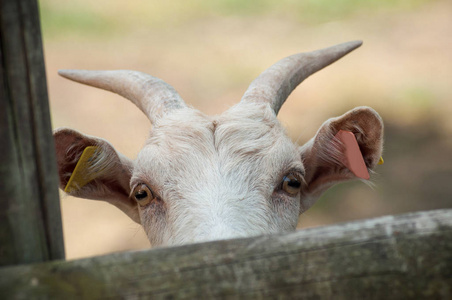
(218, 182)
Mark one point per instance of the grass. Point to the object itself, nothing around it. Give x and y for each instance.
(105, 18)
(59, 20)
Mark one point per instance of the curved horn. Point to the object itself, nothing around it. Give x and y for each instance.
(153, 96)
(276, 83)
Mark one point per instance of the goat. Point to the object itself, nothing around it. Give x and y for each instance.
(201, 178)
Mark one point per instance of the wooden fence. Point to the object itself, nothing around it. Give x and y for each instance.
(396, 257)
(30, 221)
(402, 257)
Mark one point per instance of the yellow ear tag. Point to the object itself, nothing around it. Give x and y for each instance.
(81, 176)
(381, 161)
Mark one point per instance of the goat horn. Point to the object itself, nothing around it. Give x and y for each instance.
(153, 96)
(276, 83)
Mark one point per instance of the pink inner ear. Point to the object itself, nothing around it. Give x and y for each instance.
(353, 158)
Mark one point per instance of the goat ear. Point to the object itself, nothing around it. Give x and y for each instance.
(105, 175)
(325, 157)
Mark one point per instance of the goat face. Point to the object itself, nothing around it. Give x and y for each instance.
(204, 178)
(217, 177)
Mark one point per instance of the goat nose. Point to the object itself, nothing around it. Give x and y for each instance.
(217, 232)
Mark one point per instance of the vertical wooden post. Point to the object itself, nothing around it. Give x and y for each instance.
(30, 219)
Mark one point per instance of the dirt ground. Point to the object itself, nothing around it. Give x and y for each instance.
(403, 70)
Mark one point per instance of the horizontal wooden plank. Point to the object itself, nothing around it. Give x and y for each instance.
(394, 257)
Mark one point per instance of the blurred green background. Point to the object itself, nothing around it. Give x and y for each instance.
(211, 50)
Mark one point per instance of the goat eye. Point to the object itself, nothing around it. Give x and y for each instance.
(142, 194)
(291, 184)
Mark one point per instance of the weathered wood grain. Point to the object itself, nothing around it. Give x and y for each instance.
(30, 220)
(401, 257)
